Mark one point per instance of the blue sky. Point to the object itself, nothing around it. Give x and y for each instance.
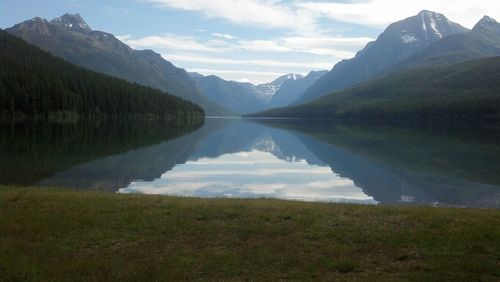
(246, 40)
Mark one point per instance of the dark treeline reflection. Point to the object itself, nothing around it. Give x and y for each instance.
(30, 152)
(448, 164)
(432, 165)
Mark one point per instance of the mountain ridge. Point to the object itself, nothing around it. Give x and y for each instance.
(37, 85)
(399, 40)
(245, 97)
(480, 42)
(69, 37)
(467, 91)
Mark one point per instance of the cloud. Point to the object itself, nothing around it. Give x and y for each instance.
(305, 16)
(257, 77)
(169, 41)
(261, 63)
(335, 47)
(239, 72)
(264, 176)
(223, 35)
(261, 13)
(338, 47)
(243, 80)
(299, 54)
(380, 13)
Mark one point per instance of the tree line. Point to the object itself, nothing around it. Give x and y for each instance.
(35, 84)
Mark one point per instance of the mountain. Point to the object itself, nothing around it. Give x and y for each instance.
(242, 97)
(71, 38)
(267, 90)
(482, 41)
(487, 25)
(398, 42)
(464, 91)
(37, 85)
(239, 97)
(293, 89)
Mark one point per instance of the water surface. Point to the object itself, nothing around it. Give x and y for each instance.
(292, 160)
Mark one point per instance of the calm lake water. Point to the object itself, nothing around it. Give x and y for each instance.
(293, 160)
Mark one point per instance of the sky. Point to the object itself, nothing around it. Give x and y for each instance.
(247, 40)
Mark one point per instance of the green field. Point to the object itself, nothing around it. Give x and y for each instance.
(60, 235)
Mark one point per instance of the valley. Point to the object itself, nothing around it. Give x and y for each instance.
(241, 140)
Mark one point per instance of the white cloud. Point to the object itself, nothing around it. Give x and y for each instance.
(261, 13)
(315, 34)
(261, 63)
(304, 16)
(170, 42)
(338, 47)
(257, 77)
(243, 80)
(297, 54)
(380, 13)
(265, 176)
(239, 72)
(223, 35)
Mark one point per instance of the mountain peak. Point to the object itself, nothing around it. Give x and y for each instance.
(432, 23)
(485, 24)
(424, 28)
(488, 20)
(38, 19)
(280, 80)
(428, 13)
(73, 22)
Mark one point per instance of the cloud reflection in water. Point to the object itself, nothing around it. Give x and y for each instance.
(254, 174)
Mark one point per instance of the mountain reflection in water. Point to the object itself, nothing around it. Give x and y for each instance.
(271, 159)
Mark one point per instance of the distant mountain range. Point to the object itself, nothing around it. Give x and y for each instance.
(428, 40)
(292, 90)
(449, 79)
(268, 90)
(244, 98)
(466, 91)
(239, 97)
(71, 38)
(398, 42)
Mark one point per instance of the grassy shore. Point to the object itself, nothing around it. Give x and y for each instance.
(58, 235)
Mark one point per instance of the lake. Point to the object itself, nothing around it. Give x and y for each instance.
(285, 159)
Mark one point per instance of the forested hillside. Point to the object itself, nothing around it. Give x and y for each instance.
(465, 91)
(35, 84)
(69, 37)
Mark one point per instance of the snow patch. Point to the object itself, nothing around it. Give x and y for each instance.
(424, 26)
(434, 27)
(429, 20)
(408, 38)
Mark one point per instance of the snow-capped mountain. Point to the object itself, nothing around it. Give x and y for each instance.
(72, 22)
(241, 97)
(399, 41)
(291, 90)
(266, 91)
(482, 41)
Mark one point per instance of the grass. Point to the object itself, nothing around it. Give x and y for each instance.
(59, 235)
